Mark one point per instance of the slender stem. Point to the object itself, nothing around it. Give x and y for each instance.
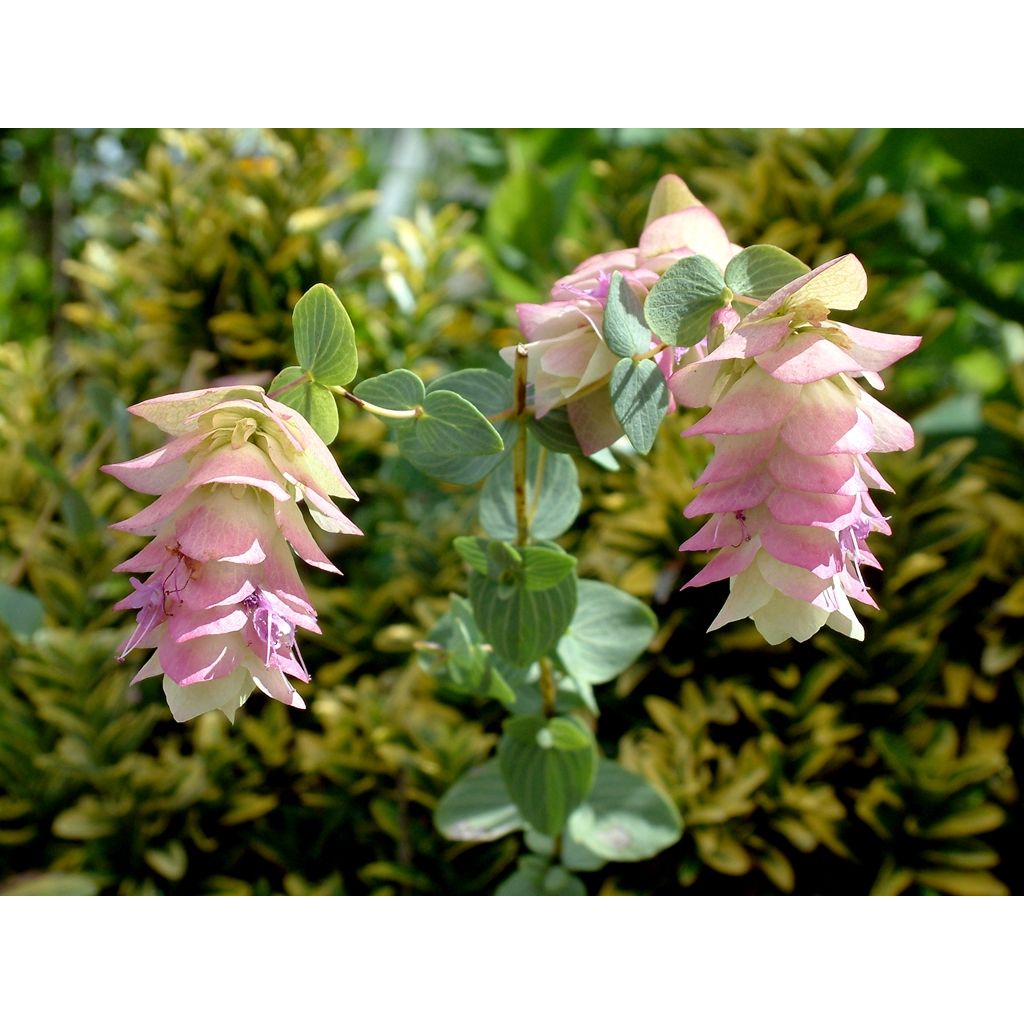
(519, 454)
(548, 690)
(651, 352)
(377, 410)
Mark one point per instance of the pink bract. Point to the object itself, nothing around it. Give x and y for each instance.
(787, 487)
(223, 600)
(569, 362)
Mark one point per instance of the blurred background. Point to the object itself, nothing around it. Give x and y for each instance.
(135, 263)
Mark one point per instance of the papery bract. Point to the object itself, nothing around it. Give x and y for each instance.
(569, 362)
(787, 487)
(223, 601)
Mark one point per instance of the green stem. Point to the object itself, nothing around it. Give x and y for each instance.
(377, 410)
(651, 353)
(548, 690)
(519, 453)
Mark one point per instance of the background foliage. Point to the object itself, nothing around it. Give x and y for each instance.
(136, 263)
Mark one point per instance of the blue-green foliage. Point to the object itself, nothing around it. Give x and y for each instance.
(839, 767)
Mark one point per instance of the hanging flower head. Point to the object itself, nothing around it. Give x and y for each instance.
(787, 488)
(569, 362)
(222, 601)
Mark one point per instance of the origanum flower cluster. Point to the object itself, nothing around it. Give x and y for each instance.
(792, 428)
(223, 601)
(570, 364)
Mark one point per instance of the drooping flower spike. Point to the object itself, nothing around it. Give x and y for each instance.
(569, 362)
(787, 487)
(223, 600)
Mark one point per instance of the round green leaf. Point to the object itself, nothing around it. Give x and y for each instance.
(478, 807)
(761, 270)
(625, 331)
(609, 631)
(491, 393)
(454, 439)
(473, 550)
(554, 431)
(544, 567)
(640, 400)
(450, 424)
(548, 766)
(624, 817)
(463, 663)
(537, 876)
(521, 624)
(553, 506)
(560, 882)
(399, 389)
(325, 341)
(310, 400)
(20, 610)
(681, 303)
(528, 878)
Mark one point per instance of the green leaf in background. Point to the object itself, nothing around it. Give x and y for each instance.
(20, 610)
(521, 622)
(681, 303)
(761, 270)
(170, 862)
(311, 400)
(52, 883)
(624, 817)
(463, 663)
(325, 341)
(548, 766)
(609, 631)
(74, 508)
(537, 567)
(399, 389)
(521, 218)
(552, 508)
(963, 883)
(537, 876)
(478, 808)
(570, 695)
(625, 331)
(488, 392)
(573, 856)
(640, 399)
(555, 432)
(578, 858)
